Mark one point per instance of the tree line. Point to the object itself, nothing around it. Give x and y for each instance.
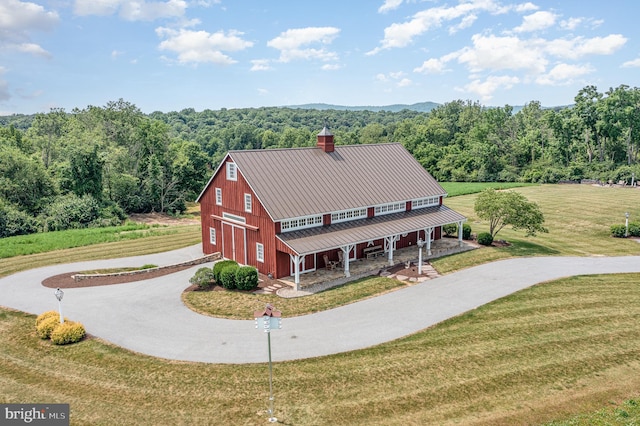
(93, 166)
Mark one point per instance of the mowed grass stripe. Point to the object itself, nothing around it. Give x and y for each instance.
(538, 355)
(174, 238)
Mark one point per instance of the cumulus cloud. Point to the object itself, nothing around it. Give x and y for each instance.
(18, 20)
(431, 66)
(389, 5)
(563, 74)
(260, 65)
(632, 64)
(500, 53)
(201, 46)
(578, 47)
(140, 10)
(536, 22)
(293, 44)
(397, 78)
(485, 89)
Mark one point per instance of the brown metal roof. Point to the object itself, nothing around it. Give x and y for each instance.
(324, 238)
(299, 182)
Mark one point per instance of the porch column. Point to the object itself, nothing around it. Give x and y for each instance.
(296, 259)
(345, 255)
(388, 246)
(460, 233)
(427, 235)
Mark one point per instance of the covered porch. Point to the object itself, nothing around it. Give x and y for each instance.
(365, 245)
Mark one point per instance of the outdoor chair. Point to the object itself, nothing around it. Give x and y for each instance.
(329, 264)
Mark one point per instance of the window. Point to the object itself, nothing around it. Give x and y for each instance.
(234, 218)
(390, 208)
(212, 236)
(247, 203)
(259, 252)
(347, 215)
(425, 202)
(300, 223)
(219, 196)
(231, 171)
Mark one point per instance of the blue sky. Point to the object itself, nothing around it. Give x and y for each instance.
(166, 55)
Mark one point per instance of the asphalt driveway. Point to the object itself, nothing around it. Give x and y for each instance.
(149, 316)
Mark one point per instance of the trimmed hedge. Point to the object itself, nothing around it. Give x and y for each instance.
(618, 231)
(68, 332)
(203, 278)
(46, 326)
(466, 231)
(219, 266)
(228, 277)
(634, 229)
(450, 229)
(246, 278)
(46, 315)
(485, 239)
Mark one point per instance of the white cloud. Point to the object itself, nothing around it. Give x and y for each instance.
(536, 21)
(331, 67)
(578, 47)
(402, 34)
(563, 74)
(501, 53)
(431, 66)
(116, 53)
(201, 46)
(465, 22)
(632, 64)
(389, 5)
(4, 86)
(260, 65)
(405, 82)
(18, 20)
(292, 43)
(525, 7)
(397, 78)
(571, 23)
(139, 10)
(486, 88)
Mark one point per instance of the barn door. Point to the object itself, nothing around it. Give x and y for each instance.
(234, 242)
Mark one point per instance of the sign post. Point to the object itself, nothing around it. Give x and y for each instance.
(269, 319)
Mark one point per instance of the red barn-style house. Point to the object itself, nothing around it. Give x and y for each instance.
(288, 211)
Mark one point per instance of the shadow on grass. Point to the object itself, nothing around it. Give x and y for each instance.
(527, 248)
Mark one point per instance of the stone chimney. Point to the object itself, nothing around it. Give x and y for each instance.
(325, 140)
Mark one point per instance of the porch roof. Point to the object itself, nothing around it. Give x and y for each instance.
(337, 235)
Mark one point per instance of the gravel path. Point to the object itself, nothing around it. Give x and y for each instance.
(149, 317)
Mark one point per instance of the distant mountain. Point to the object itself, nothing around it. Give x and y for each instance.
(420, 107)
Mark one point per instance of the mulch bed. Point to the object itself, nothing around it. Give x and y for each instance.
(67, 281)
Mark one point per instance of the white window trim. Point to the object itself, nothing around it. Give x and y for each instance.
(233, 217)
(218, 196)
(425, 202)
(247, 203)
(260, 252)
(212, 236)
(348, 215)
(308, 222)
(232, 171)
(390, 208)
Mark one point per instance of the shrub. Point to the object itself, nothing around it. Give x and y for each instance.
(69, 332)
(485, 238)
(46, 315)
(466, 231)
(618, 231)
(46, 326)
(203, 278)
(450, 229)
(228, 277)
(219, 266)
(246, 278)
(634, 229)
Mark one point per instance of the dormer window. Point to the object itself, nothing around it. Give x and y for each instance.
(232, 173)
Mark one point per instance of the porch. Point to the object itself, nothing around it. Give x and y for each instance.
(323, 279)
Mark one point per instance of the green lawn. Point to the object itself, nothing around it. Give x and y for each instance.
(455, 189)
(545, 353)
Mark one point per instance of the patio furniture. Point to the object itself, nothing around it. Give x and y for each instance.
(329, 264)
(341, 259)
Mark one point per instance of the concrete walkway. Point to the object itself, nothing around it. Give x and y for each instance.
(149, 317)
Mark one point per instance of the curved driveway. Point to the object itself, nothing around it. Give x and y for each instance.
(149, 317)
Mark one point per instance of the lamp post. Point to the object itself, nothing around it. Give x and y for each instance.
(626, 225)
(270, 318)
(420, 245)
(59, 294)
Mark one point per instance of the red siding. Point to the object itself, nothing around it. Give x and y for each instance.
(408, 207)
(326, 220)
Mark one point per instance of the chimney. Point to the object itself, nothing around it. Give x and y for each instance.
(325, 140)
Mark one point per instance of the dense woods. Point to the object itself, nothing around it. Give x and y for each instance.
(93, 166)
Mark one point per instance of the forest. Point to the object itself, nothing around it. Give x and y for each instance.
(94, 166)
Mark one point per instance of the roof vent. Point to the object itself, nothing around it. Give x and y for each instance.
(325, 140)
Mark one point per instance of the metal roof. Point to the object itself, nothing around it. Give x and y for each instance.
(324, 238)
(299, 182)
